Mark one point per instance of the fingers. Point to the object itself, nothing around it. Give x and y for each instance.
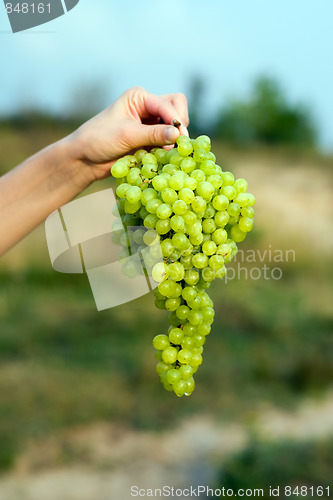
(169, 108)
(179, 102)
(153, 135)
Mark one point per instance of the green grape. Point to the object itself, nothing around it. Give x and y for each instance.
(183, 312)
(183, 138)
(195, 318)
(149, 170)
(228, 178)
(167, 247)
(247, 212)
(161, 342)
(160, 182)
(164, 211)
(208, 226)
(176, 335)
(189, 293)
(186, 261)
(245, 224)
(160, 272)
(216, 262)
(229, 192)
(169, 355)
(209, 212)
(199, 155)
(209, 247)
(190, 183)
(160, 304)
(147, 195)
(122, 190)
(177, 223)
(215, 180)
(162, 367)
(221, 218)
(176, 271)
(167, 288)
(188, 165)
(185, 148)
(172, 304)
(198, 204)
(169, 196)
(131, 208)
(179, 207)
(220, 202)
(150, 221)
(180, 241)
(219, 236)
(133, 176)
(169, 169)
(196, 239)
(205, 190)
(195, 303)
(120, 169)
(180, 387)
(189, 217)
(173, 376)
(176, 159)
(152, 205)
(204, 328)
(186, 195)
(233, 210)
(198, 175)
(191, 277)
(163, 226)
(176, 181)
(202, 142)
(189, 329)
(194, 229)
(133, 194)
(184, 356)
(207, 167)
(211, 156)
(138, 155)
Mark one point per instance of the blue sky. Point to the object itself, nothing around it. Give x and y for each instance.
(159, 45)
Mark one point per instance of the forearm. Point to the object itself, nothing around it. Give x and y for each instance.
(37, 187)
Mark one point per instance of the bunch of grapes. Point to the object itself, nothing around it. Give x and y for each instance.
(192, 214)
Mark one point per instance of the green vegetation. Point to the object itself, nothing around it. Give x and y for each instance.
(64, 364)
(283, 464)
(266, 117)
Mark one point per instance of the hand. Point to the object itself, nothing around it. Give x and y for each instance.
(133, 121)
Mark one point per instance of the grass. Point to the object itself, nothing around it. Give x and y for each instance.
(281, 465)
(64, 364)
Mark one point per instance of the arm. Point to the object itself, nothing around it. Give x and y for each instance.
(55, 175)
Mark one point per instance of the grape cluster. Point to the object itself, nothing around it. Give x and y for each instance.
(192, 214)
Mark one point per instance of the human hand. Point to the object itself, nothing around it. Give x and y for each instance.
(132, 121)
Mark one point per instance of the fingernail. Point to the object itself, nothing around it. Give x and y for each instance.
(170, 135)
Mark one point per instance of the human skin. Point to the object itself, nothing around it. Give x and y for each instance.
(54, 176)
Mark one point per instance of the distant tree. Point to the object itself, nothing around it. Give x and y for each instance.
(195, 99)
(266, 117)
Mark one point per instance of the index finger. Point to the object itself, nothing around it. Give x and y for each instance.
(179, 102)
(163, 108)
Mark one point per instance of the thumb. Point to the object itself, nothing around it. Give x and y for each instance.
(156, 135)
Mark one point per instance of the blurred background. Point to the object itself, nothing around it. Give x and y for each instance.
(82, 413)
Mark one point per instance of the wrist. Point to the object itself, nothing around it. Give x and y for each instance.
(78, 169)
